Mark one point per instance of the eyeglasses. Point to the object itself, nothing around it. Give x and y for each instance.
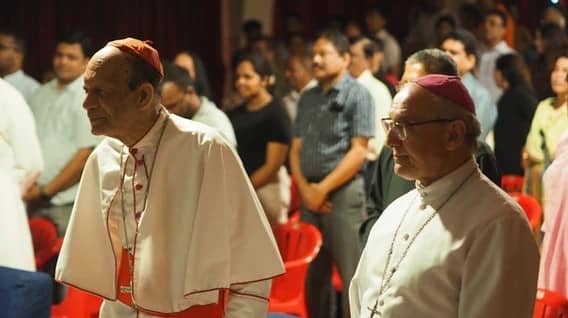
(400, 128)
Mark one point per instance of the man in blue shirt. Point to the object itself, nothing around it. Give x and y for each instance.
(334, 124)
(460, 45)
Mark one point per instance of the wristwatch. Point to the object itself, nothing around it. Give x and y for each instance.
(44, 196)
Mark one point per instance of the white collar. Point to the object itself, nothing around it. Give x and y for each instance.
(439, 191)
(151, 138)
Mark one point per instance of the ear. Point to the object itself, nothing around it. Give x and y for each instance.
(455, 136)
(145, 95)
(268, 81)
(347, 58)
(191, 90)
(471, 61)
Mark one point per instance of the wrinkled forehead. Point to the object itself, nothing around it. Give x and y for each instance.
(108, 63)
(411, 101)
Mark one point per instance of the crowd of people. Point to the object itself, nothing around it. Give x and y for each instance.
(396, 149)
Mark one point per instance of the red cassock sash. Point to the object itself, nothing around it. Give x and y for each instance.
(198, 311)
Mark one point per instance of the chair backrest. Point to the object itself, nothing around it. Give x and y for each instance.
(512, 183)
(24, 294)
(550, 304)
(294, 196)
(45, 241)
(531, 207)
(299, 243)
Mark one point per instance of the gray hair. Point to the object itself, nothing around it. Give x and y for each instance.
(435, 61)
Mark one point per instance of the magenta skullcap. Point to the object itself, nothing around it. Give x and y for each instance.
(448, 87)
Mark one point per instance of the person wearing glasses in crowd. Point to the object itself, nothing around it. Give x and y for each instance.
(335, 121)
(179, 95)
(456, 245)
(385, 186)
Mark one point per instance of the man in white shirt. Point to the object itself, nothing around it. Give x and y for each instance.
(20, 164)
(12, 51)
(298, 72)
(492, 46)
(456, 246)
(362, 50)
(166, 222)
(180, 97)
(63, 131)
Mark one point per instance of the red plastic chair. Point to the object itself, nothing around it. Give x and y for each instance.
(550, 304)
(531, 207)
(77, 304)
(512, 183)
(294, 217)
(336, 279)
(294, 196)
(45, 241)
(299, 243)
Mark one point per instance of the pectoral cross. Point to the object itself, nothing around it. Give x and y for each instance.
(125, 289)
(374, 311)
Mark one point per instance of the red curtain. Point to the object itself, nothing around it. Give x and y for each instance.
(172, 25)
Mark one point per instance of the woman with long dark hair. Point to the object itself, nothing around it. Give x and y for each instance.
(516, 109)
(263, 131)
(549, 122)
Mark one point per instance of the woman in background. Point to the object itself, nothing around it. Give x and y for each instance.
(549, 122)
(516, 109)
(553, 273)
(263, 132)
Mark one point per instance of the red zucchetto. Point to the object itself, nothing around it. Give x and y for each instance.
(142, 50)
(448, 87)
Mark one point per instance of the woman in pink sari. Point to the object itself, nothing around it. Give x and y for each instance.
(553, 273)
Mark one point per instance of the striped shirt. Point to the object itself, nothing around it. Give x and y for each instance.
(327, 121)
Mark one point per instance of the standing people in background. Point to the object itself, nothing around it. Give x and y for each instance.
(376, 22)
(63, 131)
(266, 47)
(20, 165)
(352, 30)
(376, 60)
(471, 18)
(549, 40)
(179, 96)
(549, 122)
(362, 49)
(460, 45)
(510, 27)
(191, 62)
(492, 46)
(456, 246)
(554, 14)
(299, 74)
(516, 110)
(331, 133)
(165, 222)
(263, 129)
(445, 24)
(12, 52)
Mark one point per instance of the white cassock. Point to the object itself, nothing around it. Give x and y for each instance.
(201, 231)
(476, 258)
(20, 164)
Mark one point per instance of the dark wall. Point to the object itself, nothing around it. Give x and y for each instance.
(172, 25)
